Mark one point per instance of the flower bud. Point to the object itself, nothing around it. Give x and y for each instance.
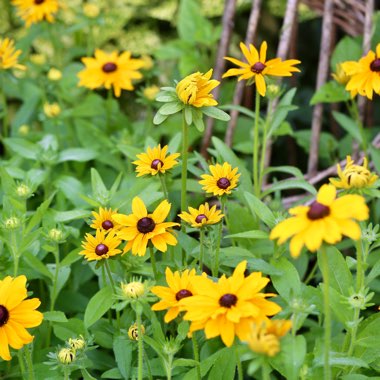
(55, 235)
(133, 289)
(91, 10)
(38, 59)
(23, 130)
(52, 109)
(54, 74)
(23, 191)
(133, 331)
(77, 343)
(12, 223)
(66, 355)
(151, 92)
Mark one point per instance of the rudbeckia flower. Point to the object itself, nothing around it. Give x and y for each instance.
(103, 219)
(110, 70)
(223, 179)
(155, 161)
(180, 285)
(16, 314)
(141, 227)
(257, 67)
(326, 219)
(202, 216)
(229, 307)
(101, 246)
(364, 74)
(9, 55)
(354, 176)
(35, 11)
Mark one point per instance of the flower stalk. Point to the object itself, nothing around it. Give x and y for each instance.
(196, 355)
(108, 270)
(255, 155)
(139, 345)
(153, 262)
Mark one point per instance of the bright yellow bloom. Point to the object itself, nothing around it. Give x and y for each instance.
(364, 74)
(265, 338)
(16, 314)
(140, 227)
(354, 176)
(229, 307)
(110, 70)
(100, 246)
(326, 219)
(180, 286)
(258, 67)
(222, 179)
(203, 216)
(155, 161)
(195, 89)
(54, 74)
(103, 220)
(34, 11)
(339, 75)
(133, 331)
(9, 55)
(52, 109)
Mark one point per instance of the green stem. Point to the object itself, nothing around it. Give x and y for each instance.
(219, 239)
(29, 363)
(146, 359)
(3, 99)
(359, 266)
(21, 363)
(312, 273)
(327, 312)
(196, 355)
(354, 331)
(108, 269)
(163, 185)
(238, 364)
(66, 373)
(185, 143)
(354, 111)
(256, 185)
(153, 262)
(140, 347)
(264, 147)
(201, 248)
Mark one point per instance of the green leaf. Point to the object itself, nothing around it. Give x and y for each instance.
(347, 49)
(260, 209)
(348, 125)
(38, 215)
(197, 116)
(216, 113)
(159, 118)
(113, 373)
(224, 366)
(285, 169)
(243, 110)
(22, 147)
(290, 184)
(185, 363)
(55, 316)
(77, 154)
(254, 234)
(66, 330)
(35, 263)
(171, 108)
(122, 348)
(330, 92)
(99, 189)
(188, 115)
(375, 154)
(66, 216)
(98, 305)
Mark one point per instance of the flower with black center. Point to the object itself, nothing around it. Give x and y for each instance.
(326, 219)
(35, 11)
(155, 161)
(223, 179)
(180, 285)
(16, 314)
(101, 246)
(354, 176)
(9, 55)
(257, 67)
(103, 220)
(228, 307)
(364, 74)
(110, 70)
(141, 227)
(202, 216)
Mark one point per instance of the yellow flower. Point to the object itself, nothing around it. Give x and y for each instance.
(100, 246)
(339, 75)
(133, 331)
(66, 355)
(134, 289)
(195, 89)
(203, 216)
(16, 314)
(222, 179)
(180, 286)
(155, 161)
(110, 70)
(9, 55)
(326, 219)
(34, 11)
(229, 307)
(103, 220)
(77, 343)
(258, 67)
(354, 176)
(151, 92)
(140, 227)
(91, 10)
(54, 74)
(52, 109)
(265, 338)
(364, 74)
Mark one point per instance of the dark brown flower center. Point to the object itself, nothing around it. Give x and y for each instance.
(183, 293)
(38, 2)
(109, 67)
(101, 249)
(257, 68)
(228, 300)
(200, 217)
(146, 225)
(375, 65)
(4, 315)
(107, 224)
(156, 164)
(318, 211)
(223, 183)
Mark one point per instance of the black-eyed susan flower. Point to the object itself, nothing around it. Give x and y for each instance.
(141, 227)
(228, 307)
(9, 55)
(155, 161)
(180, 285)
(103, 219)
(354, 176)
(223, 179)
(364, 74)
(133, 331)
(202, 216)
(257, 67)
(326, 219)
(16, 314)
(35, 11)
(101, 246)
(110, 70)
